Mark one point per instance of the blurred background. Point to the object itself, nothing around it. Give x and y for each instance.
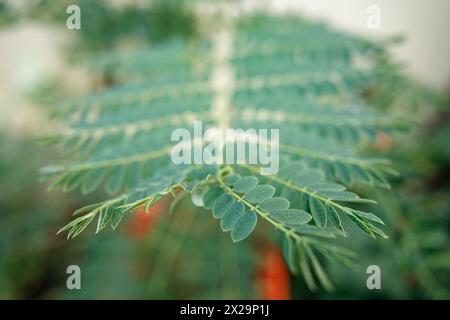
(161, 256)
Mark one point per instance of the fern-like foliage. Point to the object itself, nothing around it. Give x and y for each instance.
(287, 73)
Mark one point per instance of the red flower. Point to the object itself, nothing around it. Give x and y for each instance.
(273, 277)
(142, 221)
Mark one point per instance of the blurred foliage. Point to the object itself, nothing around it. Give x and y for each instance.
(120, 265)
(30, 251)
(6, 16)
(415, 261)
(169, 258)
(105, 26)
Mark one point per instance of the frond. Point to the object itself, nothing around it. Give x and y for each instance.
(287, 73)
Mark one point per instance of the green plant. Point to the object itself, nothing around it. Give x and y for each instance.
(287, 73)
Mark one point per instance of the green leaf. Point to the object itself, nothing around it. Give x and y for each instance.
(305, 269)
(88, 208)
(232, 178)
(345, 196)
(92, 181)
(318, 211)
(368, 216)
(292, 169)
(307, 178)
(221, 205)
(303, 203)
(211, 196)
(80, 227)
(379, 180)
(115, 180)
(197, 196)
(361, 223)
(378, 231)
(291, 216)
(327, 186)
(292, 196)
(290, 254)
(231, 215)
(73, 181)
(245, 184)
(104, 219)
(275, 203)
(343, 173)
(361, 174)
(133, 175)
(116, 218)
(324, 280)
(309, 230)
(335, 219)
(244, 226)
(260, 193)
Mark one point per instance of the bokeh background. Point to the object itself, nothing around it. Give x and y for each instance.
(158, 255)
